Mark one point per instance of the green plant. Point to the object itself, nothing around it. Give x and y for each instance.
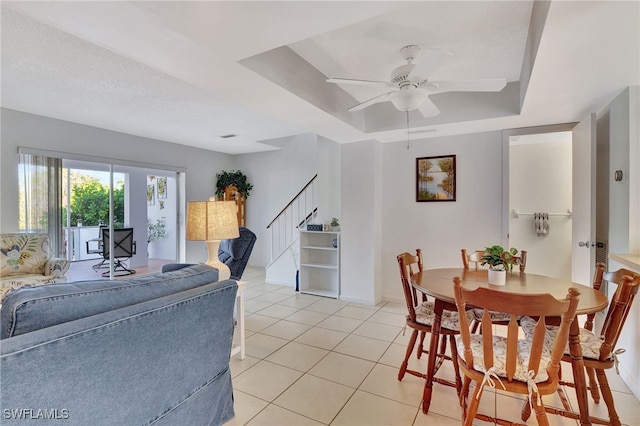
(334, 222)
(157, 230)
(233, 177)
(500, 259)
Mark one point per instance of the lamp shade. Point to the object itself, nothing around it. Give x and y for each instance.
(212, 220)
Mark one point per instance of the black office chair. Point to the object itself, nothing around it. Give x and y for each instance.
(94, 246)
(124, 247)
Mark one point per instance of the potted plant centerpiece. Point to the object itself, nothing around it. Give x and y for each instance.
(500, 261)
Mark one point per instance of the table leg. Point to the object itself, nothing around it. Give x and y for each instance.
(240, 320)
(433, 354)
(577, 364)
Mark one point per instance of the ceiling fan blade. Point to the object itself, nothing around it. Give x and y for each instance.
(380, 98)
(487, 85)
(428, 108)
(360, 82)
(430, 59)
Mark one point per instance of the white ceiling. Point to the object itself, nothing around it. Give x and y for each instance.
(189, 72)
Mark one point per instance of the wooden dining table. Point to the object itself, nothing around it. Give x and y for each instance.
(438, 283)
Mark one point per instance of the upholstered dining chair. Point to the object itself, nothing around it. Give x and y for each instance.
(420, 317)
(599, 350)
(498, 318)
(521, 366)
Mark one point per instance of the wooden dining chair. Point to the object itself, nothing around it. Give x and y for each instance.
(599, 350)
(498, 318)
(420, 319)
(527, 366)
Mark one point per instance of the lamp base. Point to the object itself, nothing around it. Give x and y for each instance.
(223, 270)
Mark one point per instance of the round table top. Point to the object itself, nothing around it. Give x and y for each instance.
(439, 284)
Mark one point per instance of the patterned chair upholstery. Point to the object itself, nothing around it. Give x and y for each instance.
(25, 260)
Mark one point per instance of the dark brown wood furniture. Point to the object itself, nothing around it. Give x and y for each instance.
(420, 319)
(437, 283)
(519, 366)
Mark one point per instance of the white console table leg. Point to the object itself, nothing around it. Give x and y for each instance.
(240, 348)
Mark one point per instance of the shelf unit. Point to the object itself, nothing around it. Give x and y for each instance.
(320, 263)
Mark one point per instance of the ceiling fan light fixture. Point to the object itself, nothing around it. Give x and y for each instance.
(407, 99)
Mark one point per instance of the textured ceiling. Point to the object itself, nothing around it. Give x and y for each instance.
(189, 72)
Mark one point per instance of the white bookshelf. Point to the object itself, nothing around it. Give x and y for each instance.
(320, 263)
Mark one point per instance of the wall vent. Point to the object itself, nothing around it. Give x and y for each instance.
(230, 135)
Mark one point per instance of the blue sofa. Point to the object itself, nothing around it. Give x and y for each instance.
(148, 350)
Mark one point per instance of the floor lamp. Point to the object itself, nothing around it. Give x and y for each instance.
(212, 221)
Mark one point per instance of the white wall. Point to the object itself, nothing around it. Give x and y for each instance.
(360, 246)
(440, 229)
(33, 131)
(540, 181)
(624, 215)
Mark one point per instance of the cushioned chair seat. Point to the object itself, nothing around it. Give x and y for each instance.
(449, 320)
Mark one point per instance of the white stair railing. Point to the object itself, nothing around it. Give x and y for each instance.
(294, 216)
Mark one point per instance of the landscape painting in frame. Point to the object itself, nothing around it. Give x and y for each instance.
(436, 178)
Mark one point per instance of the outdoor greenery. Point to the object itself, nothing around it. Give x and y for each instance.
(233, 177)
(500, 259)
(90, 201)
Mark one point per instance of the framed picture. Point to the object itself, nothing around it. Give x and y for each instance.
(151, 195)
(162, 188)
(436, 178)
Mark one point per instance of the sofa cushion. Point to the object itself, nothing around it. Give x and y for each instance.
(30, 309)
(237, 247)
(22, 254)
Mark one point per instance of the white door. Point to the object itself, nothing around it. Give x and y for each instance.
(583, 201)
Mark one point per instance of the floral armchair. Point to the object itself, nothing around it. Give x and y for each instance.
(25, 260)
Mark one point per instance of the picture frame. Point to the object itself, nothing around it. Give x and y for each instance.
(436, 178)
(151, 195)
(162, 188)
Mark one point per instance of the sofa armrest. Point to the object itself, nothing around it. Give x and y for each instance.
(56, 266)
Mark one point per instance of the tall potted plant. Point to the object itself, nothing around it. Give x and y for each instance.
(500, 261)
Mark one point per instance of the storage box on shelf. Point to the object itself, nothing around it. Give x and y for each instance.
(320, 263)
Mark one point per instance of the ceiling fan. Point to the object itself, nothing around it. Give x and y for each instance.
(411, 86)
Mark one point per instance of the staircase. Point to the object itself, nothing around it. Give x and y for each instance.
(283, 232)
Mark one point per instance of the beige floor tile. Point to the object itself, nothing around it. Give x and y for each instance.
(322, 338)
(395, 354)
(362, 347)
(272, 297)
(444, 402)
(350, 311)
(258, 322)
(365, 409)
(297, 356)
(346, 325)
(245, 407)
(299, 300)
(396, 308)
(266, 380)
(276, 416)
(286, 329)
(627, 407)
(433, 419)
(388, 333)
(261, 345)
(254, 305)
(328, 398)
(363, 306)
(289, 291)
(307, 317)
(278, 311)
(383, 381)
(389, 318)
(238, 365)
(343, 369)
(326, 306)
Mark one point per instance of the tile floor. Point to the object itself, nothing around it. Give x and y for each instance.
(319, 361)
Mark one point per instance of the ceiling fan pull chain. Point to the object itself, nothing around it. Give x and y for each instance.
(407, 129)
